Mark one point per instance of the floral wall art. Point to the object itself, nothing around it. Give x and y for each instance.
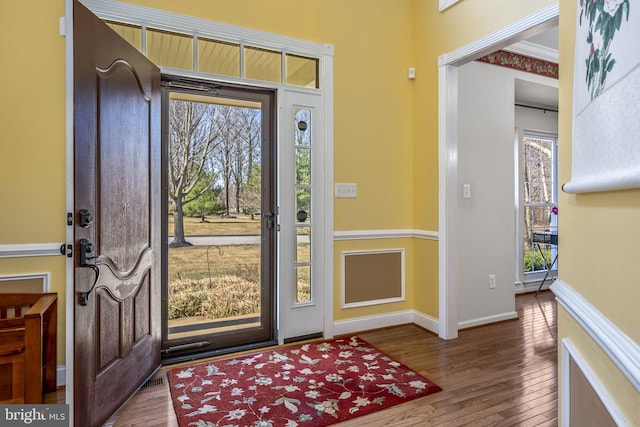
(606, 104)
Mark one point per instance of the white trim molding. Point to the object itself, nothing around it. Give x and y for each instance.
(29, 250)
(534, 51)
(570, 352)
(61, 375)
(45, 277)
(445, 4)
(385, 234)
(366, 323)
(622, 350)
(487, 320)
(161, 19)
(529, 25)
(403, 276)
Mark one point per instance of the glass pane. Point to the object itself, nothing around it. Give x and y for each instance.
(534, 260)
(538, 171)
(303, 244)
(302, 126)
(214, 255)
(131, 33)
(218, 57)
(303, 205)
(303, 284)
(170, 49)
(302, 71)
(303, 166)
(262, 64)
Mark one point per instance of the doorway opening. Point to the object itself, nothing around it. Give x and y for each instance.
(449, 64)
(219, 204)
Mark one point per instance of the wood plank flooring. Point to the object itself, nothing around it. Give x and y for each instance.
(504, 374)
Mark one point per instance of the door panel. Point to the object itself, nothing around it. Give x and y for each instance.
(117, 223)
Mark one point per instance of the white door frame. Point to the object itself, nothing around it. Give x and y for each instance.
(448, 64)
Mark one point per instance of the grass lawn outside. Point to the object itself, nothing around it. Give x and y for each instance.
(220, 281)
(219, 226)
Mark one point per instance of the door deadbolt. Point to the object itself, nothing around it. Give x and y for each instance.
(86, 249)
(85, 218)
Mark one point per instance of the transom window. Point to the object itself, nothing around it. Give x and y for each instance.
(193, 52)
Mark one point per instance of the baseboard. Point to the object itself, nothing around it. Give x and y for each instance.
(622, 350)
(524, 288)
(61, 375)
(427, 322)
(488, 319)
(366, 323)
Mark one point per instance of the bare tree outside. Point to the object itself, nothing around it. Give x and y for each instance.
(212, 147)
(194, 132)
(247, 148)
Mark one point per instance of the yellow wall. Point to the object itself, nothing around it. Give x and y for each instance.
(600, 232)
(435, 34)
(32, 144)
(383, 119)
(32, 164)
(598, 244)
(365, 245)
(372, 95)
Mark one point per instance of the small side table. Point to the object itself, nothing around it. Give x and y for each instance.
(547, 238)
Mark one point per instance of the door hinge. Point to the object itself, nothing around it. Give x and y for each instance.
(69, 218)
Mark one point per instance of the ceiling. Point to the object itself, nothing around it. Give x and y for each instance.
(542, 46)
(548, 39)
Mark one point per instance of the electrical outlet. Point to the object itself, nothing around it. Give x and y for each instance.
(346, 190)
(492, 281)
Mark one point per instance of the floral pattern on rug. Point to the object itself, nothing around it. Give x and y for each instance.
(308, 385)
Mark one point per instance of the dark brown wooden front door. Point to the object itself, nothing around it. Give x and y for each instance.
(116, 219)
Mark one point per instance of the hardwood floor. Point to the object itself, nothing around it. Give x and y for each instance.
(504, 374)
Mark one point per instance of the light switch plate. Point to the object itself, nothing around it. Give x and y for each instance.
(466, 191)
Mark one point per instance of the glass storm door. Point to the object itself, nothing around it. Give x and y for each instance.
(219, 211)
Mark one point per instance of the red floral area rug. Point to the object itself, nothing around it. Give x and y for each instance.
(308, 385)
